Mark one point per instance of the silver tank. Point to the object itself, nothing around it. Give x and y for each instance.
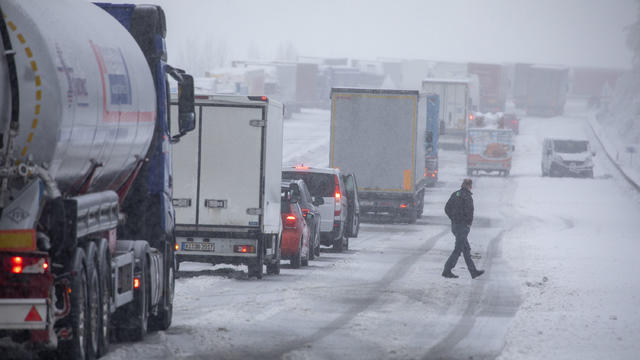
(86, 92)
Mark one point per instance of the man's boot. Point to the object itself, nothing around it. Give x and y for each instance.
(476, 273)
(449, 274)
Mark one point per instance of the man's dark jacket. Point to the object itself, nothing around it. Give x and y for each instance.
(459, 208)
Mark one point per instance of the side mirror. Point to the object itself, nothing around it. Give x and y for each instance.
(186, 108)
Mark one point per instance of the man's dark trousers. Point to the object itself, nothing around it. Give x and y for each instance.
(462, 246)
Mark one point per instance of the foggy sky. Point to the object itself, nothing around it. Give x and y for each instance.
(572, 32)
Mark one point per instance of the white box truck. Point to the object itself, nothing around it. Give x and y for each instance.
(227, 175)
(454, 98)
(379, 135)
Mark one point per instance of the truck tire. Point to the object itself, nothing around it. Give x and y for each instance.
(346, 243)
(93, 299)
(296, 260)
(138, 309)
(104, 274)
(255, 266)
(162, 320)
(274, 268)
(76, 348)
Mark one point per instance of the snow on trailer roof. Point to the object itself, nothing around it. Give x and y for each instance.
(550, 67)
(447, 80)
(223, 99)
(373, 91)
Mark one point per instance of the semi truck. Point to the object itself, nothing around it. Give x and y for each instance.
(493, 86)
(547, 89)
(227, 183)
(431, 140)
(378, 135)
(86, 224)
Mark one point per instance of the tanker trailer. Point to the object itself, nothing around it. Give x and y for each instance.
(86, 221)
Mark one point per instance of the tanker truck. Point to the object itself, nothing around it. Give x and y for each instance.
(86, 219)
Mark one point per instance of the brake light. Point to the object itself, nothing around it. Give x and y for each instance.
(403, 205)
(177, 247)
(16, 264)
(470, 116)
(301, 167)
(338, 196)
(136, 283)
(290, 221)
(244, 249)
(27, 265)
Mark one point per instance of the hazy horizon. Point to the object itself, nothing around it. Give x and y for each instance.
(568, 32)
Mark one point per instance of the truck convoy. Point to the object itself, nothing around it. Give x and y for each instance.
(378, 135)
(432, 135)
(547, 88)
(86, 224)
(489, 150)
(227, 183)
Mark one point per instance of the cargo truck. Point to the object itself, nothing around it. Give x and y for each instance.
(86, 225)
(493, 86)
(432, 135)
(227, 176)
(452, 114)
(377, 135)
(547, 89)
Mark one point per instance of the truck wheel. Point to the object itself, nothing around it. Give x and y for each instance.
(162, 320)
(346, 243)
(104, 273)
(76, 348)
(138, 310)
(93, 299)
(506, 173)
(274, 268)
(337, 244)
(255, 265)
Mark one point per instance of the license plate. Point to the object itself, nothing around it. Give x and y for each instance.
(198, 246)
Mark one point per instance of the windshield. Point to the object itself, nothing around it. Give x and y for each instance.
(318, 184)
(570, 146)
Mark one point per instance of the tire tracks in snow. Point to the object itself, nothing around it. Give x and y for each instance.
(398, 270)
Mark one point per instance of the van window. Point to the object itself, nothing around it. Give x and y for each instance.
(570, 146)
(319, 184)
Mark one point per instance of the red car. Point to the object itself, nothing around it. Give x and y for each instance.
(295, 232)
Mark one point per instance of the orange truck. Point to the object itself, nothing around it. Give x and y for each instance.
(489, 150)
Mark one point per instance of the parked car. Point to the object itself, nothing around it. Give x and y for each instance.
(567, 157)
(511, 121)
(340, 211)
(295, 232)
(310, 211)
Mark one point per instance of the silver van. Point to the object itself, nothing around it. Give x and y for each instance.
(567, 157)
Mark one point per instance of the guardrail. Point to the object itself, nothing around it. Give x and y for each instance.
(628, 178)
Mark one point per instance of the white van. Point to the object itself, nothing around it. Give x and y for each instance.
(567, 157)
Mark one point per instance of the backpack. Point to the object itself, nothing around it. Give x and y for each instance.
(452, 204)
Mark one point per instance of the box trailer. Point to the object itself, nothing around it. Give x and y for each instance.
(379, 136)
(493, 86)
(227, 176)
(454, 97)
(547, 89)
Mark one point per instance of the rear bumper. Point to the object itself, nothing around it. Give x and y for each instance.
(23, 314)
(290, 243)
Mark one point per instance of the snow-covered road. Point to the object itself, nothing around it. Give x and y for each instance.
(560, 254)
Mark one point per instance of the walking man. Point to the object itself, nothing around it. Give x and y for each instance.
(459, 209)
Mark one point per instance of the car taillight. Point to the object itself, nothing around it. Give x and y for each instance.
(403, 206)
(244, 249)
(290, 221)
(28, 265)
(337, 196)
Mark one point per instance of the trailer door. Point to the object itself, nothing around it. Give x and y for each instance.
(231, 154)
